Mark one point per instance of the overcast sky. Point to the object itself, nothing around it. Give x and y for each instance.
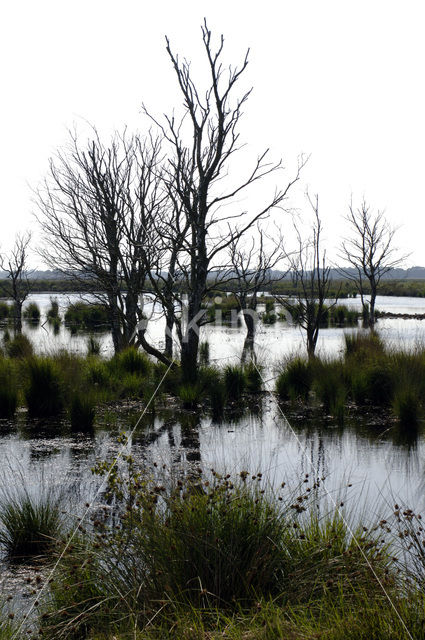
(341, 81)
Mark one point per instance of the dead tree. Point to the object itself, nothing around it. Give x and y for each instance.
(370, 254)
(15, 264)
(96, 210)
(311, 278)
(201, 145)
(251, 265)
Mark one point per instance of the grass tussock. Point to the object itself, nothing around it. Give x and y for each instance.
(8, 389)
(20, 346)
(44, 392)
(29, 525)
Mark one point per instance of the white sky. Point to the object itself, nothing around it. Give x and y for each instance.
(342, 81)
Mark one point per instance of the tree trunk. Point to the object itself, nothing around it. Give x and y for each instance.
(17, 320)
(250, 323)
(169, 324)
(372, 309)
(189, 356)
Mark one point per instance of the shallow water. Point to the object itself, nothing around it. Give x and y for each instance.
(371, 457)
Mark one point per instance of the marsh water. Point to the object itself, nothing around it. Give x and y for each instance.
(364, 463)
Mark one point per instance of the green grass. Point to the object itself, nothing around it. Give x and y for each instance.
(83, 315)
(44, 391)
(29, 526)
(8, 389)
(228, 557)
(82, 412)
(294, 380)
(234, 382)
(19, 347)
(32, 312)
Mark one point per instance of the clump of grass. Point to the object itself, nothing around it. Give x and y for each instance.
(407, 406)
(8, 390)
(29, 526)
(4, 310)
(132, 360)
(53, 311)
(44, 392)
(82, 412)
(330, 388)
(295, 380)
(363, 345)
(253, 378)
(97, 372)
(234, 382)
(19, 347)
(32, 312)
(83, 315)
(189, 395)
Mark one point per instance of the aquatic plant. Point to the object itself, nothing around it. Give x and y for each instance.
(44, 392)
(234, 382)
(82, 412)
(8, 390)
(253, 377)
(85, 315)
(294, 380)
(20, 346)
(132, 360)
(29, 525)
(53, 311)
(32, 312)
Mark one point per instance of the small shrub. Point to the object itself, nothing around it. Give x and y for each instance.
(29, 526)
(32, 312)
(19, 347)
(82, 413)
(269, 317)
(234, 382)
(44, 392)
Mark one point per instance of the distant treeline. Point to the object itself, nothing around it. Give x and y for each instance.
(340, 288)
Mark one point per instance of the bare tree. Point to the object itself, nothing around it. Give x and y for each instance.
(201, 144)
(96, 210)
(370, 253)
(311, 277)
(15, 264)
(252, 265)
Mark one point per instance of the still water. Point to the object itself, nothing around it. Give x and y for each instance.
(380, 467)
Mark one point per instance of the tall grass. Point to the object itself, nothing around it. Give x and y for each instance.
(234, 382)
(295, 380)
(32, 312)
(213, 548)
(44, 392)
(19, 347)
(8, 389)
(29, 525)
(82, 412)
